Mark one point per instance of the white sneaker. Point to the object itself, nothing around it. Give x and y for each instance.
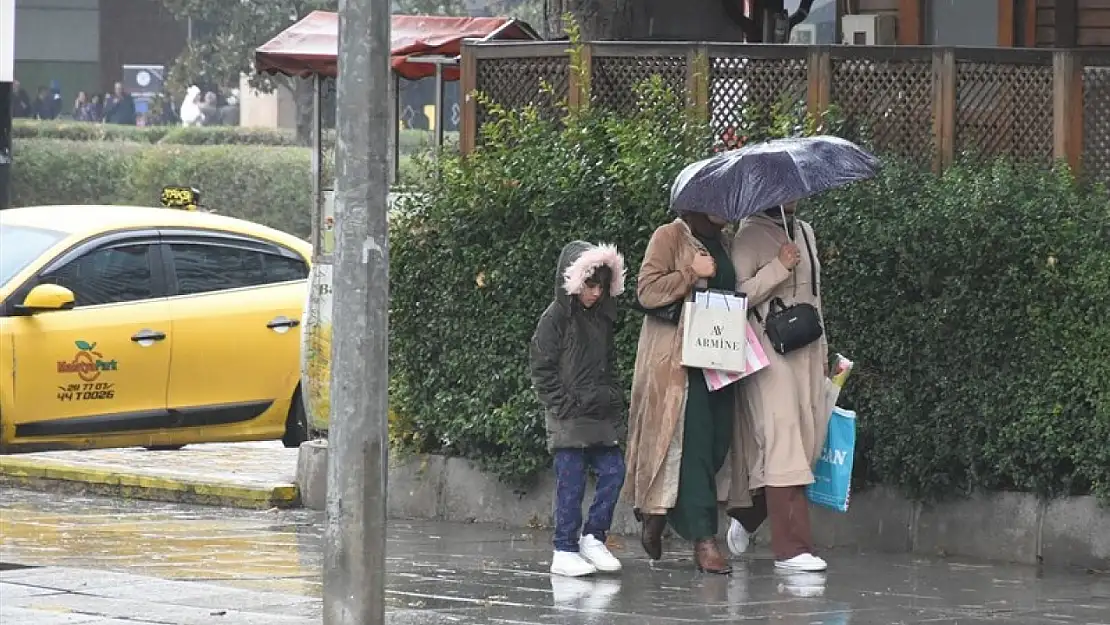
(570, 564)
(596, 553)
(738, 538)
(807, 562)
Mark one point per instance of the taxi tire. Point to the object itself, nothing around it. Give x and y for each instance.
(296, 425)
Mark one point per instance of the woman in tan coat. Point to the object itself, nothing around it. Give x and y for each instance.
(783, 409)
(679, 432)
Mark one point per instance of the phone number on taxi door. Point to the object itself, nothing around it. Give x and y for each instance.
(86, 392)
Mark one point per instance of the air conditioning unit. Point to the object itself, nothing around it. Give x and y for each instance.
(804, 34)
(869, 30)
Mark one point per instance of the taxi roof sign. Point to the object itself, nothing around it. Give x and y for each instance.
(187, 198)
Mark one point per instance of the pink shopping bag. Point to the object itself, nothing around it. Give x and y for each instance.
(757, 359)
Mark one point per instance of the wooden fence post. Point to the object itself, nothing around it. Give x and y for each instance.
(820, 81)
(697, 81)
(468, 84)
(1067, 109)
(581, 75)
(944, 108)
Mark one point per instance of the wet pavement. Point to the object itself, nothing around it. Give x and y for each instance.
(260, 463)
(207, 565)
(246, 475)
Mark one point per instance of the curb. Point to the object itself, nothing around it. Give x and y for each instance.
(49, 475)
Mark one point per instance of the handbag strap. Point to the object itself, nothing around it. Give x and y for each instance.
(812, 262)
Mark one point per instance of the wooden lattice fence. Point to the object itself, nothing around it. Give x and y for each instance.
(921, 103)
(1096, 118)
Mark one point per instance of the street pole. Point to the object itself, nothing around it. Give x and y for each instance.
(358, 462)
(6, 97)
(7, 76)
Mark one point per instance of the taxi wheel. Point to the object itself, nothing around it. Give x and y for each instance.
(296, 426)
(163, 447)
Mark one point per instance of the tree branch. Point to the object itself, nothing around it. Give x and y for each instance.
(735, 13)
(801, 14)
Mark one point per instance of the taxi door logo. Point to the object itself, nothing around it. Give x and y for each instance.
(88, 364)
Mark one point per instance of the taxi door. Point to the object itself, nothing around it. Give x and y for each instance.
(237, 306)
(95, 374)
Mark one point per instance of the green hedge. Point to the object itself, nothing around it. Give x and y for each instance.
(270, 185)
(974, 303)
(409, 141)
(264, 183)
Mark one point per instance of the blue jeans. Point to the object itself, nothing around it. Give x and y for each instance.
(571, 470)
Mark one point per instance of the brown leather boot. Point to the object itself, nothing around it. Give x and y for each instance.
(651, 535)
(709, 559)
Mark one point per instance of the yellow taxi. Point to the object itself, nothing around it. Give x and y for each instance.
(127, 326)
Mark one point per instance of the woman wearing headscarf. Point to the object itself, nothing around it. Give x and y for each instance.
(679, 432)
(784, 414)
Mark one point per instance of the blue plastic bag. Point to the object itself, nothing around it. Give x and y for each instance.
(833, 474)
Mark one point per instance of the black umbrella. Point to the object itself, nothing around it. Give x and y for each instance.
(739, 183)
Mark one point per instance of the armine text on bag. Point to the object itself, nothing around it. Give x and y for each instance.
(717, 341)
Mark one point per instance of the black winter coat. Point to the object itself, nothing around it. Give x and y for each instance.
(572, 356)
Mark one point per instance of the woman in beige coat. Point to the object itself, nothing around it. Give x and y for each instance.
(679, 432)
(783, 409)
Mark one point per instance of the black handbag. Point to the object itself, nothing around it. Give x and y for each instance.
(669, 313)
(793, 327)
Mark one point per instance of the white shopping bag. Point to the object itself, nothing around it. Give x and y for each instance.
(714, 331)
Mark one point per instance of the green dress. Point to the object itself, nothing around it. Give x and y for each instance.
(708, 432)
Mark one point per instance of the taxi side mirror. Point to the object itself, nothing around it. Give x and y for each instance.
(46, 298)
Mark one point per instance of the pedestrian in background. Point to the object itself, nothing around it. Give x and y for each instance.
(572, 359)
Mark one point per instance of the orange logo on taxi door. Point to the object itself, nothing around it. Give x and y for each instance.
(87, 363)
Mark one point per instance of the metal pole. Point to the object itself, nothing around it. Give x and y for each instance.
(395, 121)
(439, 107)
(354, 533)
(7, 76)
(6, 97)
(317, 167)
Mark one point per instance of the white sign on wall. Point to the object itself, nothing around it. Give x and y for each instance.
(7, 40)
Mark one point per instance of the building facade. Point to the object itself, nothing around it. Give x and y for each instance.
(1005, 23)
(83, 44)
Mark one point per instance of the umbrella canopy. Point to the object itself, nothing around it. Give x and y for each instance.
(310, 46)
(739, 183)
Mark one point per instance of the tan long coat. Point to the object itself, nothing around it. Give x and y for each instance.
(658, 403)
(784, 410)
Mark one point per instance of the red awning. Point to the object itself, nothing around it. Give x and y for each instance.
(311, 45)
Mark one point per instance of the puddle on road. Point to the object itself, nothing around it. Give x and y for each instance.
(167, 545)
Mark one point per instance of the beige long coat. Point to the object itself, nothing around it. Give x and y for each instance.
(658, 403)
(783, 409)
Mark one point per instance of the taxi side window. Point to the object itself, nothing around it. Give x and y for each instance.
(283, 269)
(107, 276)
(205, 268)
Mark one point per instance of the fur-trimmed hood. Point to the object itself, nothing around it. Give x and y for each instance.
(577, 263)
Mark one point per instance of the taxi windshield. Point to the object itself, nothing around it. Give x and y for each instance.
(21, 245)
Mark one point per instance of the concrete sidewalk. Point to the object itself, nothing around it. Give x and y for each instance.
(99, 558)
(63, 596)
(242, 475)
